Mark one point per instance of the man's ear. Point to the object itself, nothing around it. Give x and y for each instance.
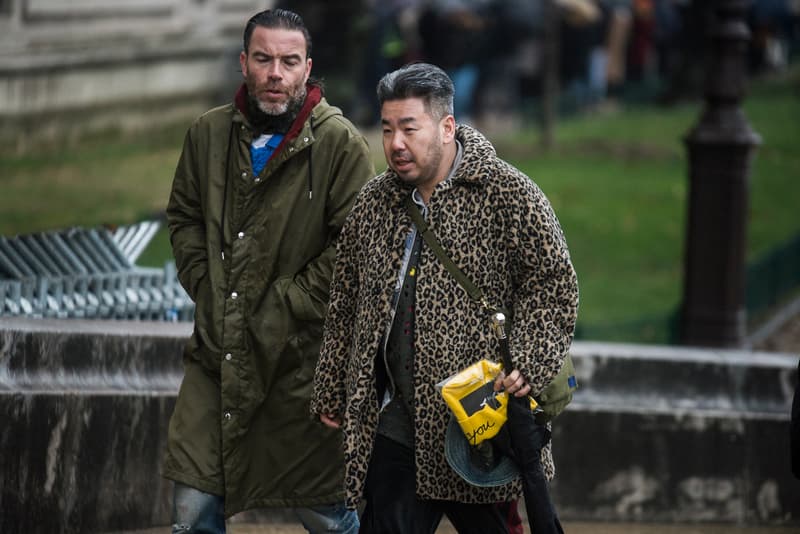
(448, 126)
(243, 62)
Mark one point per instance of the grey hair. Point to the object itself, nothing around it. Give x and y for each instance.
(419, 80)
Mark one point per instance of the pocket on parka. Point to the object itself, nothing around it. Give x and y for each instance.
(272, 318)
(305, 345)
(203, 345)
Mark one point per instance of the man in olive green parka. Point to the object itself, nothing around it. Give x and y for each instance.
(260, 193)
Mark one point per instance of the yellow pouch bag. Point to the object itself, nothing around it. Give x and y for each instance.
(479, 410)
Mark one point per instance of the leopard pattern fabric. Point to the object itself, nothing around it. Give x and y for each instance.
(499, 228)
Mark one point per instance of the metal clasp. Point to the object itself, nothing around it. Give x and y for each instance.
(499, 323)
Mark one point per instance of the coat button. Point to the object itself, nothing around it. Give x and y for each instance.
(240, 235)
(228, 416)
(234, 295)
(257, 180)
(244, 174)
(228, 356)
(305, 139)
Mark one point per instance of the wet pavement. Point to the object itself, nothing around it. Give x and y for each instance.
(570, 527)
(581, 528)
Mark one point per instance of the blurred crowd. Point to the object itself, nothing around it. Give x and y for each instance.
(496, 50)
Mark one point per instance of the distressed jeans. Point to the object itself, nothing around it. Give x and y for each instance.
(197, 512)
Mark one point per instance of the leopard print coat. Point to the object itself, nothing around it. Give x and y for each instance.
(500, 229)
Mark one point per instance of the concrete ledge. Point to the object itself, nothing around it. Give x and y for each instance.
(653, 434)
(85, 407)
(624, 377)
(91, 357)
(661, 434)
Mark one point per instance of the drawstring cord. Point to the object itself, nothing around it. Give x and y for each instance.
(310, 160)
(225, 194)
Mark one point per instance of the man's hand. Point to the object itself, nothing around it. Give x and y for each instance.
(514, 384)
(330, 420)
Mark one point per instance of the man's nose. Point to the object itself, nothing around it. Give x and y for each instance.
(274, 71)
(398, 141)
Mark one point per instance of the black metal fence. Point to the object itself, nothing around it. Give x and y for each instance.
(770, 280)
(91, 273)
(773, 276)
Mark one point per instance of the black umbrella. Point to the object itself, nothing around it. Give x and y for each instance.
(522, 439)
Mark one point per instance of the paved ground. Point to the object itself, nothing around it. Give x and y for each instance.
(569, 528)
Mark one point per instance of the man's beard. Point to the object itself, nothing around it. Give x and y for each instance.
(280, 123)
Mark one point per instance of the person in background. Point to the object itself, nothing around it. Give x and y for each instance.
(260, 193)
(454, 35)
(398, 322)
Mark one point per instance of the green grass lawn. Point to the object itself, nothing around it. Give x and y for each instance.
(103, 180)
(618, 183)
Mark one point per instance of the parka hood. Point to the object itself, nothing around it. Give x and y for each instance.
(310, 111)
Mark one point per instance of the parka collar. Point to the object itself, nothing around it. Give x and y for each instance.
(478, 152)
(313, 97)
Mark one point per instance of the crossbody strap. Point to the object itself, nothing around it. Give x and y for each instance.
(474, 292)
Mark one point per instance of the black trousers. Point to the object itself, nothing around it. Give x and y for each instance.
(392, 506)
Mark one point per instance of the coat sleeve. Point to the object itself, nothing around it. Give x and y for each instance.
(308, 295)
(545, 305)
(329, 394)
(185, 220)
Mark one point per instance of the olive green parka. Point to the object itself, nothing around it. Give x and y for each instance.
(256, 255)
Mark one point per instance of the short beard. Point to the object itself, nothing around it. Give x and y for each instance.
(268, 123)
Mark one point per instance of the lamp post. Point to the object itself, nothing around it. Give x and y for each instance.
(720, 149)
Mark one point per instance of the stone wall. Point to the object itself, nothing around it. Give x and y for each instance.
(653, 434)
(68, 67)
(665, 434)
(85, 407)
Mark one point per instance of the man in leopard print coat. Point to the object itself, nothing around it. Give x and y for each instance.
(398, 322)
